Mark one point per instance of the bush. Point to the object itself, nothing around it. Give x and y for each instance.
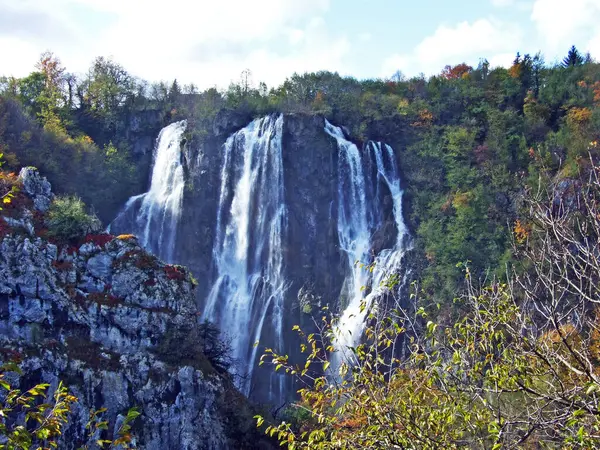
(201, 347)
(36, 419)
(68, 220)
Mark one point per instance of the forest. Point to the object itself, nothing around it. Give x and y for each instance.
(471, 139)
(501, 178)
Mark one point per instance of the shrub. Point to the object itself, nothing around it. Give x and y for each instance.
(36, 418)
(99, 239)
(68, 220)
(201, 347)
(175, 272)
(9, 186)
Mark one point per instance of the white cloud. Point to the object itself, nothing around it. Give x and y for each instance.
(502, 60)
(593, 46)
(464, 42)
(18, 56)
(562, 23)
(204, 41)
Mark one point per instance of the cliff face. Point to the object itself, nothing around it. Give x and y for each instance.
(271, 216)
(120, 328)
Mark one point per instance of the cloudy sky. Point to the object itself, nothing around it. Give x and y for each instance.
(210, 42)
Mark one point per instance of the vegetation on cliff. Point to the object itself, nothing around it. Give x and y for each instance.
(519, 369)
(471, 138)
(511, 363)
(117, 326)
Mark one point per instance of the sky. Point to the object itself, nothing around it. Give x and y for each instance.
(210, 42)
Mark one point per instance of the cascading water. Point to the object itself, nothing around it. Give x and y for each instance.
(153, 216)
(249, 285)
(360, 178)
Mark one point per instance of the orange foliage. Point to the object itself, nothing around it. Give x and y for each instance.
(352, 422)
(596, 90)
(447, 204)
(595, 341)
(456, 72)
(567, 332)
(461, 199)
(521, 231)
(515, 70)
(577, 117)
(7, 181)
(425, 119)
(126, 237)
(85, 139)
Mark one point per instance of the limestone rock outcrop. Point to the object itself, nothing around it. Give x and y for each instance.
(116, 325)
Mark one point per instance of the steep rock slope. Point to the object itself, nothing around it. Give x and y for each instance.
(272, 215)
(119, 327)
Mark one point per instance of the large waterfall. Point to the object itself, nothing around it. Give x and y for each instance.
(249, 285)
(285, 202)
(153, 216)
(361, 179)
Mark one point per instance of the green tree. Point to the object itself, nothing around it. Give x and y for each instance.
(29, 420)
(68, 220)
(518, 369)
(573, 58)
(107, 87)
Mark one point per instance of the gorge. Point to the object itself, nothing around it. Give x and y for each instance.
(275, 220)
(160, 240)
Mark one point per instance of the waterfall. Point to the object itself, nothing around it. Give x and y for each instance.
(248, 291)
(248, 277)
(153, 216)
(360, 213)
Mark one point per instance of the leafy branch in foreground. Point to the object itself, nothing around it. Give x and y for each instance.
(29, 420)
(521, 368)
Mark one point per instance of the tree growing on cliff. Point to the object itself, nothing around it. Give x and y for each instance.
(521, 368)
(68, 219)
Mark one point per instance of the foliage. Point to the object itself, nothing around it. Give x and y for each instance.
(28, 420)
(214, 347)
(519, 369)
(573, 59)
(8, 186)
(471, 138)
(68, 220)
(201, 347)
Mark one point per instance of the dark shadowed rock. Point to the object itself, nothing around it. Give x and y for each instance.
(229, 121)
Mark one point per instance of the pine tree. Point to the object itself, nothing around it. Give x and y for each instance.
(573, 58)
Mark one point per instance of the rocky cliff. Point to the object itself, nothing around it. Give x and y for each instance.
(118, 326)
(271, 216)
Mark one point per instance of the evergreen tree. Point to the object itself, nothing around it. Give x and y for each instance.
(175, 91)
(573, 58)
